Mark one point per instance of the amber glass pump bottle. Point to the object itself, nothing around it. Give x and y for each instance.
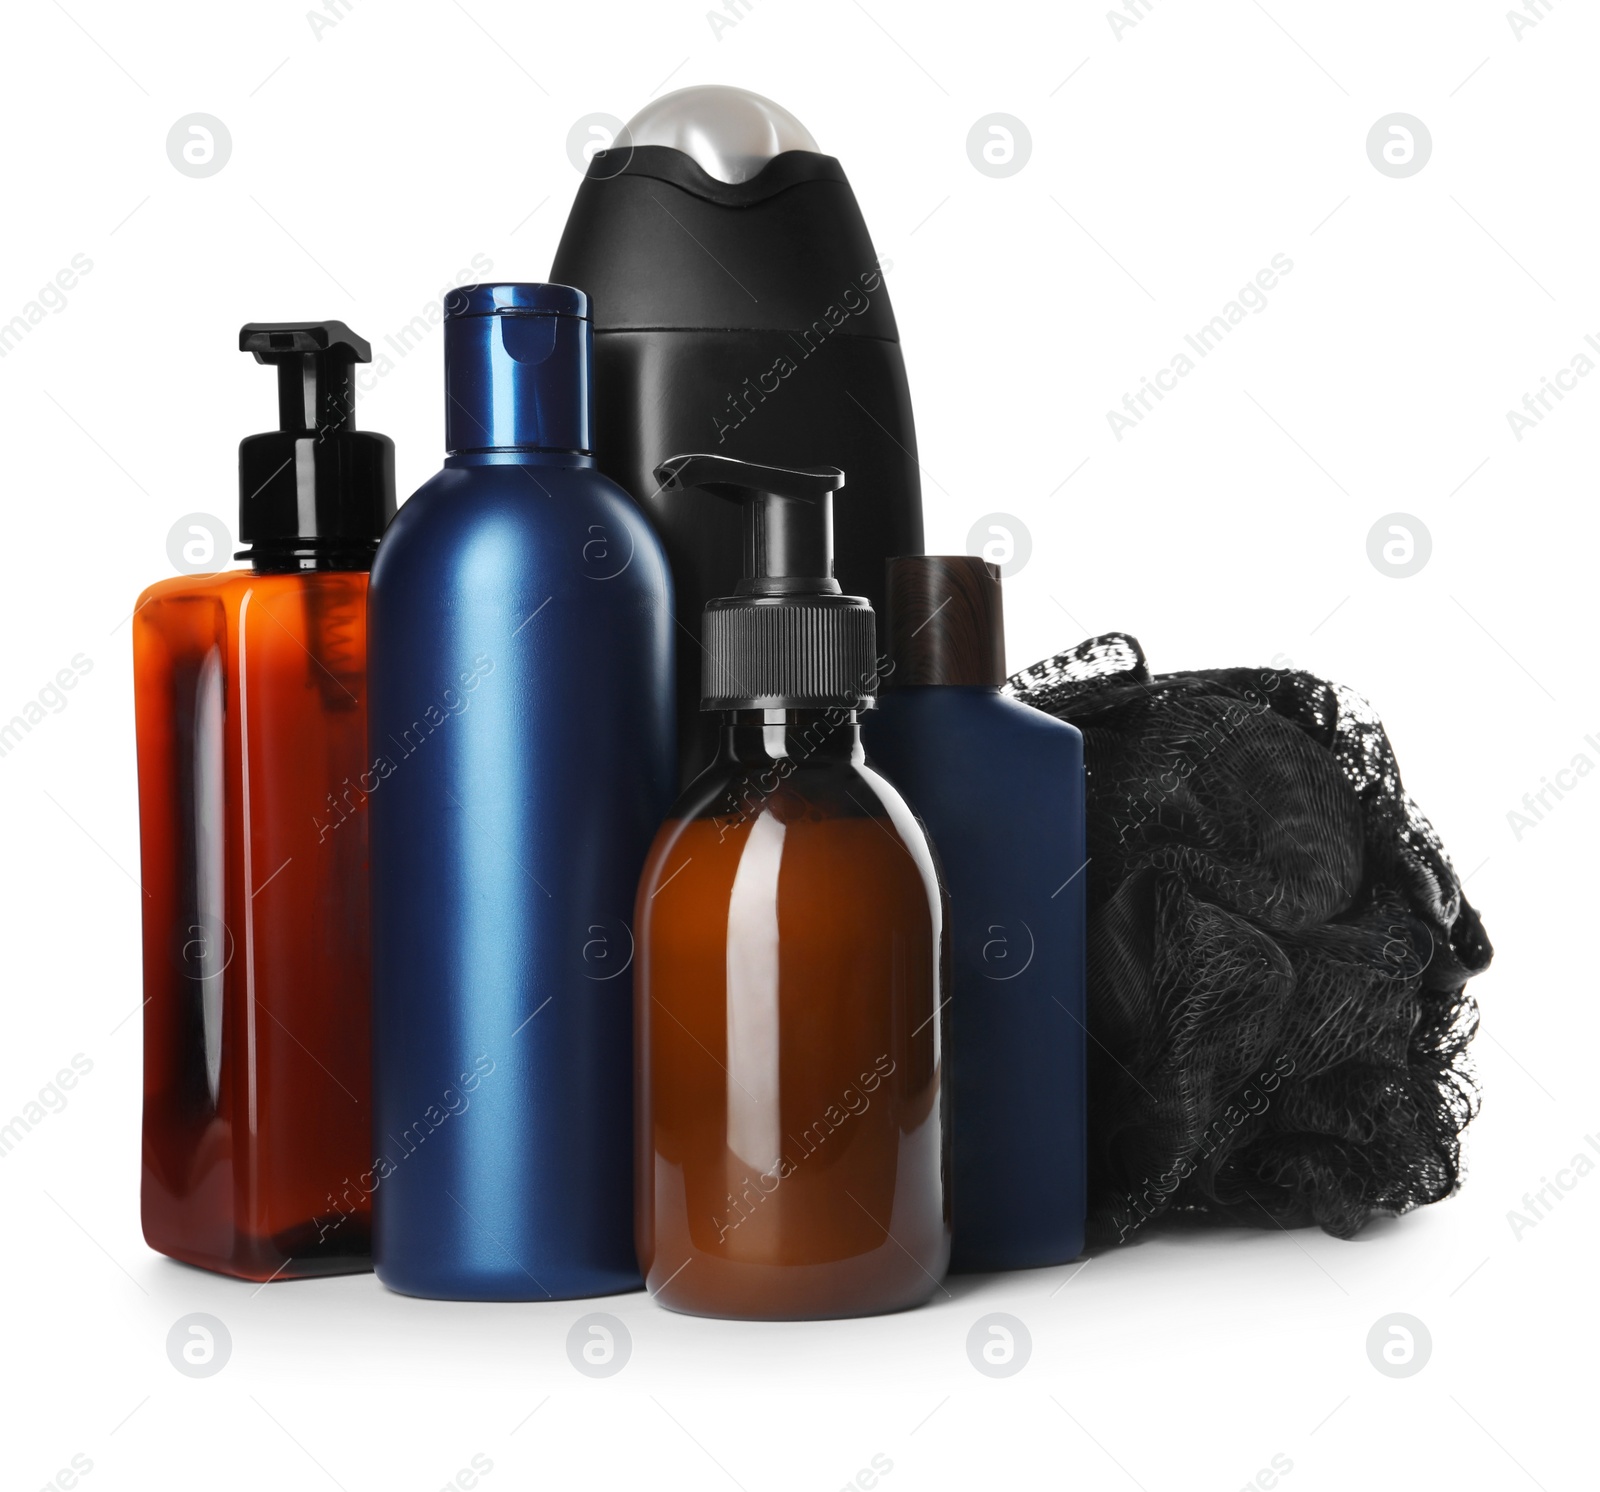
(250, 702)
(792, 950)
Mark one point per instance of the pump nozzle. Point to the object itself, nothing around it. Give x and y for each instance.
(788, 524)
(313, 359)
(316, 492)
(787, 638)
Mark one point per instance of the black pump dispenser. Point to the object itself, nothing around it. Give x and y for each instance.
(787, 639)
(316, 493)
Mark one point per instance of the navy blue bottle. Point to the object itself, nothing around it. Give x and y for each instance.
(1000, 788)
(522, 735)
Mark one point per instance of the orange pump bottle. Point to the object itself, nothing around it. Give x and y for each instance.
(792, 950)
(250, 703)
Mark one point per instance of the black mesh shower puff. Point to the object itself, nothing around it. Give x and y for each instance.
(1278, 951)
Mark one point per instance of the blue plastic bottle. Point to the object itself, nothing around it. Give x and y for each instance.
(1000, 788)
(522, 735)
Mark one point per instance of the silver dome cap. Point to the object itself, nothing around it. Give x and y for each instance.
(730, 133)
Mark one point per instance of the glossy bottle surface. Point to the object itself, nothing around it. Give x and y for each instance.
(792, 1134)
(250, 701)
(1000, 787)
(521, 616)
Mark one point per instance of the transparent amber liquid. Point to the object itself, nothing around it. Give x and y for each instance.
(792, 1129)
(251, 718)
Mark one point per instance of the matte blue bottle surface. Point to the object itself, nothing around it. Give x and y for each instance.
(999, 786)
(520, 692)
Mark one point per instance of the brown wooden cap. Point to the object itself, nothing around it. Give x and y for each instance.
(946, 625)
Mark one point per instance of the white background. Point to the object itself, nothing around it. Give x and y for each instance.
(1169, 164)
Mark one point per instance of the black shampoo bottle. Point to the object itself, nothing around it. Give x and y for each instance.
(739, 309)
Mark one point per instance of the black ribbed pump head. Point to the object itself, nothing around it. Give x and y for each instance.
(787, 639)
